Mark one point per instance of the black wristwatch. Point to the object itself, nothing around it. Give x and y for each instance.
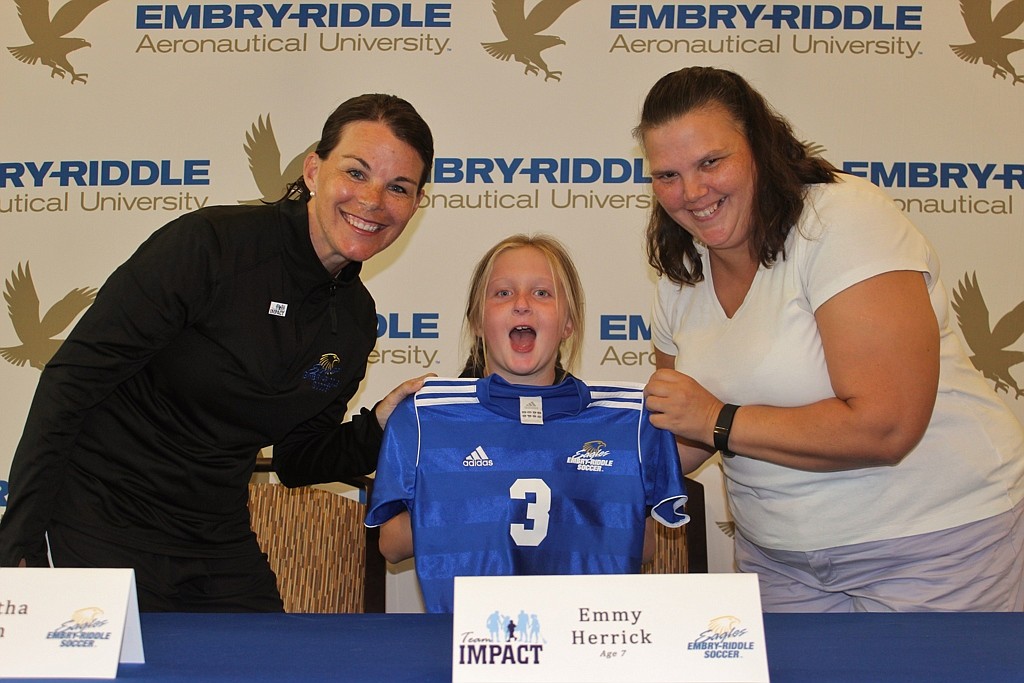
(722, 428)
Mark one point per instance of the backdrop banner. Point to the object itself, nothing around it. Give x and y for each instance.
(120, 115)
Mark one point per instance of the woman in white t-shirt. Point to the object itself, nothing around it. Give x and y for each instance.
(801, 329)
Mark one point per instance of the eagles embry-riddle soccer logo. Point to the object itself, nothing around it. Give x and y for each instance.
(322, 374)
(724, 638)
(593, 457)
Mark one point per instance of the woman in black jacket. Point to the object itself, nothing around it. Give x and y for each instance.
(232, 328)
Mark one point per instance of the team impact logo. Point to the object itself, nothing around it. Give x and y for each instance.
(38, 333)
(523, 38)
(990, 344)
(509, 640)
(50, 41)
(991, 45)
(265, 163)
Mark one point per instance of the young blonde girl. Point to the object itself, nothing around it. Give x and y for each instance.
(527, 470)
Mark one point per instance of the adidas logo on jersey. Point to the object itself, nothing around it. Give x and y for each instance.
(478, 458)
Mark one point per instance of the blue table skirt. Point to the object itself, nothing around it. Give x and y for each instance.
(811, 648)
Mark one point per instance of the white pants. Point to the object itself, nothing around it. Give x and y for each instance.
(976, 567)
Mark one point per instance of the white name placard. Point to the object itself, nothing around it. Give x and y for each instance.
(672, 628)
(68, 623)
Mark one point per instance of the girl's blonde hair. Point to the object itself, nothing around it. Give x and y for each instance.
(567, 286)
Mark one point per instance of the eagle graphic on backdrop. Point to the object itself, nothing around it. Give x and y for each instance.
(524, 40)
(265, 163)
(813, 148)
(37, 333)
(991, 355)
(991, 46)
(50, 43)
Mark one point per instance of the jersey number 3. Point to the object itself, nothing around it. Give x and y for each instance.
(537, 511)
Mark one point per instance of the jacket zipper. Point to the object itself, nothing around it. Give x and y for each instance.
(334, 312)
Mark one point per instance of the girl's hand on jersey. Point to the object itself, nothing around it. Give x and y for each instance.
(388, 404)
(682, 406)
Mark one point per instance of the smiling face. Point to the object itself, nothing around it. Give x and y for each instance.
(364, 194)
(525, 318)
(703, 175)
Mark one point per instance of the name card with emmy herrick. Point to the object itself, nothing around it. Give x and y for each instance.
(68, 623)
(663, 628)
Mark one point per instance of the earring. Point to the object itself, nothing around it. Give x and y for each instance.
(312, 194)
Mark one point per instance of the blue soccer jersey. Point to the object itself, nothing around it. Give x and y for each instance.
(503, 479)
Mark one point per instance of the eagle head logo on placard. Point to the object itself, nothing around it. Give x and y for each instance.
(86, 616)
(992, 44)
(50, 42)
(265, 162)
(990, 345)
(525, 39)
(38, 333)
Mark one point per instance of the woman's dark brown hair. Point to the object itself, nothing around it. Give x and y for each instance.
(398, 115)
(782, 163)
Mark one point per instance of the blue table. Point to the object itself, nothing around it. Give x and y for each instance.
(811, 648)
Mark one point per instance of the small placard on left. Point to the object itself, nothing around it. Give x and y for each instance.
(68, 623)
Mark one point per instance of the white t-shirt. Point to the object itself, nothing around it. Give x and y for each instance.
(970, 463)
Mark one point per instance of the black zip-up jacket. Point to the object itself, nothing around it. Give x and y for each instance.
(221, 335)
